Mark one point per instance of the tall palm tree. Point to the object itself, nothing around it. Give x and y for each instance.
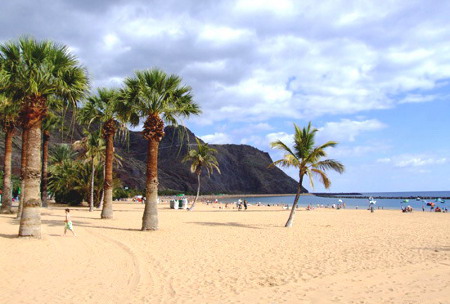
(109, 110)
(8, 121)
(94, 151)
(36, 71)
(307, 158)
(160, 98)
(202, 157)
(51, 121)
(23, 164)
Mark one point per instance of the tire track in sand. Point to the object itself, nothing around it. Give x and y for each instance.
(134, 282)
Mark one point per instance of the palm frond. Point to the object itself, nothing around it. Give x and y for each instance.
(323, 177)
(330, 164)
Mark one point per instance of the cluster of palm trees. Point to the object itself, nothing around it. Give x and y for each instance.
(38, 77)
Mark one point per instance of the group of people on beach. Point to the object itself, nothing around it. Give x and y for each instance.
(239, 205)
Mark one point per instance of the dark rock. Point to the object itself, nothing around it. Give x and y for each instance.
(244, 168)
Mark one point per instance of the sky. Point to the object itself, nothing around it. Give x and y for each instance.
(372, 75)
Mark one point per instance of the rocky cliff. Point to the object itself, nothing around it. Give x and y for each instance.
(244, 169)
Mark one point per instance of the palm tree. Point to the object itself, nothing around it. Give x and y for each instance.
(23, 164)
(202, 157)
(8, 121)
(60, 153)
(94, 151)
(109, 110)
(160, 98)
(307, 159)
(51, 121)
(35, 72)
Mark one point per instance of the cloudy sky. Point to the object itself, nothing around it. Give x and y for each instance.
(373, 75)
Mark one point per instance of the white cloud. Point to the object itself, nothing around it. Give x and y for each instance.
(222, 34)
(357, 151)
(348, 130)
(416, 98)
(280, 7)
(254, 140)
(255, 60)
(217, 138)
(408, 160)
(286, 138)
(418, 161)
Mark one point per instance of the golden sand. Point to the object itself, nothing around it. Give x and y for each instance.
(213, 255)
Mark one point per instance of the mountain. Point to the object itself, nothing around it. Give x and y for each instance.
(244, 168)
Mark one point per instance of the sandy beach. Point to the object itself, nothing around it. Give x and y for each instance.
(214, 255)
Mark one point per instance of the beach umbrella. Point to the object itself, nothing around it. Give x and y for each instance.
(405, 201)
(439, 200)
(340, 201)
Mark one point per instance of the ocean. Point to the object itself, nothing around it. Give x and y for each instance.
(361, 203)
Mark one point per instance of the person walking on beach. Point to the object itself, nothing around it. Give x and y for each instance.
(68, 223)
(245, 205)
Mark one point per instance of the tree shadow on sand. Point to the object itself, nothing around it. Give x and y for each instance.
(229, 224)
(233, 210)
(435, 249)
(56, 223)
(9, 236)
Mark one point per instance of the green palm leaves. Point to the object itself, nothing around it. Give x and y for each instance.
(42, 68)
(202, 157)
(308, 159)
(160, 98)
(155, 92)
(32, 73)
(110, 110)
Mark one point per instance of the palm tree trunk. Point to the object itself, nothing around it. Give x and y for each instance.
(7, 191)
(290, 221)
(30, 222)
(107, 211)
(150, 217)
(23, 165)
(46, 138)
(102, 196)
(100, 203)
(91, 199)
(198, 192)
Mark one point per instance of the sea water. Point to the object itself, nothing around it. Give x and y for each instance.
(353, 203)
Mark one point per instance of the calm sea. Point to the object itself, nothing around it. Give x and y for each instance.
(355, 202)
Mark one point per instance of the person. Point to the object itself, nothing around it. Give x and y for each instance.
(68, 223)
(239, 205)
(245, 205)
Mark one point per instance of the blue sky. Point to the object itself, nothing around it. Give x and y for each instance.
(372, 75)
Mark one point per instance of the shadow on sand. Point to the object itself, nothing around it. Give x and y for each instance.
(229, 224)
(56, 223)
(9, 236)
(233, 210)
(435, 249)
